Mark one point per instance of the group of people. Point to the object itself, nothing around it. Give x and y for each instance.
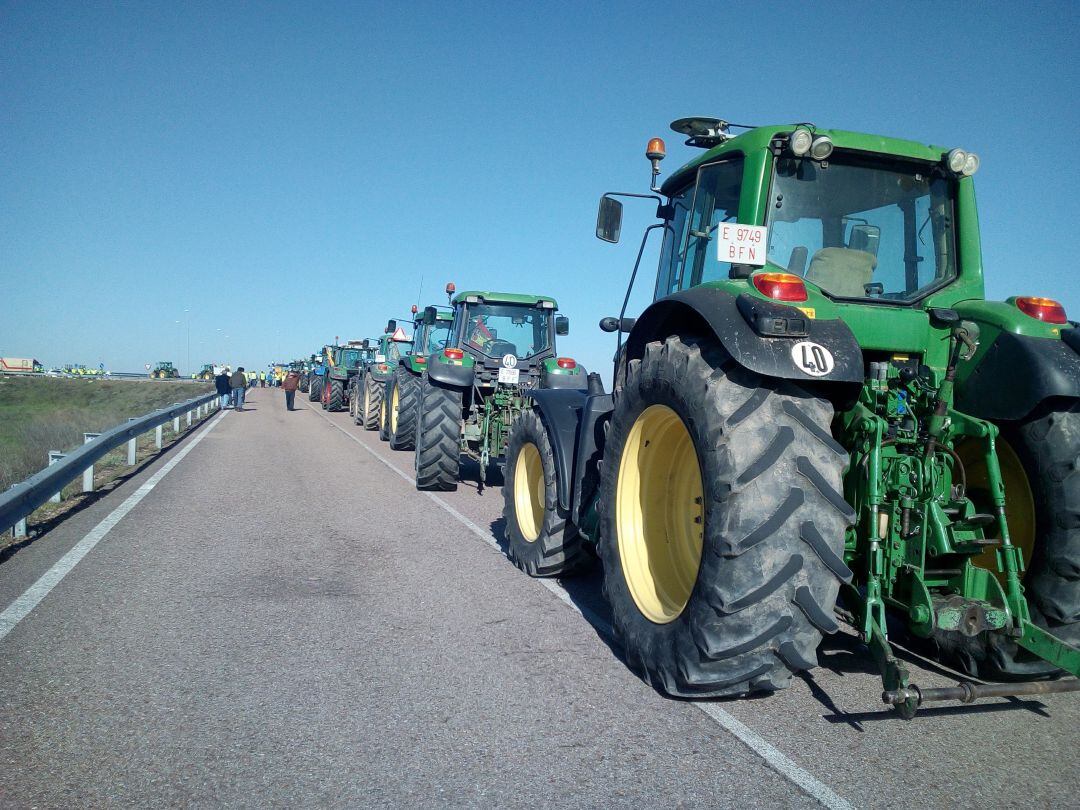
(232, 387)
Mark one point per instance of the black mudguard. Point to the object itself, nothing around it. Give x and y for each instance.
(1017, 373)
(446, 374)
(718, 310)
(560, 410)
(567, 381)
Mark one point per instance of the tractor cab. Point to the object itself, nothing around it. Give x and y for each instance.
(509, 337)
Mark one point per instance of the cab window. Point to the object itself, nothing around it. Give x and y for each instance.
(690, 255)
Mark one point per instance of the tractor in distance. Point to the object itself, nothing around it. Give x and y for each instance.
(342, 365)
(164, 370)
(320, 363)
(501, 346)
(819, 417)
(206, 372)
(431, 334)
(312, 374)
(369, 388)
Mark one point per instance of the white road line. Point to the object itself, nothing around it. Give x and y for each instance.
(772, 755)
(18, 610)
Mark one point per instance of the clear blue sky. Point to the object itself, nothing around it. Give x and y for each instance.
(288, 172)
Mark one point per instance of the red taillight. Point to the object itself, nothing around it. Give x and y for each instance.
(566, 362)
(1045, 309)
(383, 367)
(453, 354)
(780, 286)
(420, 360)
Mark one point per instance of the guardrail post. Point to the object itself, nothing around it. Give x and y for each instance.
(132, 448)
(157, 437)
(189, 418)
(55, 456)
(176, 425)
(19, 529)
(88, 473)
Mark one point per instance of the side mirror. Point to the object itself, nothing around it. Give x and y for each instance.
(609, 220)
(562, 325)
(430, 316)
(391, 325)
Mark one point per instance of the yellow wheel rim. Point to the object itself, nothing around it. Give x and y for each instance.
(367, 401)
(1019, 502)
(394, 410)
(659, 514)
(529, 492)
(382, 413)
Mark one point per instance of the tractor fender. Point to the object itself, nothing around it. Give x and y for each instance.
(448, 374)
(560, 410)
(1018, 372)
(716, 310)
(562, 382)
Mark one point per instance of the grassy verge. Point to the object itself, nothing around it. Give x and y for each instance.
(47, 413)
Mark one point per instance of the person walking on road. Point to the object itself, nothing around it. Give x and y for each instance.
(262, 379)
(289, 385)
(221, 383)
(238, 381)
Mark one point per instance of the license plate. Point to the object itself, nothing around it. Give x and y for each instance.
(508, 376)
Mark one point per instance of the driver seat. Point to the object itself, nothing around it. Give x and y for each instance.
(844, 272)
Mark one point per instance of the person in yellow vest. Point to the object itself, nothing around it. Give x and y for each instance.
(262, 379)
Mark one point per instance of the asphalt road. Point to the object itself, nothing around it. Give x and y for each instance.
(283, 620)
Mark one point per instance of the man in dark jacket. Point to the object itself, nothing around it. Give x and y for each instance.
(238, 381)
(221, 383)
(289, 386)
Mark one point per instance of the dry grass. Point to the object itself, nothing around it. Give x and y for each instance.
(39, 414)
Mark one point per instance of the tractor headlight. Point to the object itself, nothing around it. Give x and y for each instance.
(821, 147)
(956, 159)
(971, 164)
(800, 142)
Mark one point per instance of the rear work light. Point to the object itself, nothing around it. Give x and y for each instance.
(453, 354)
(566, 362)
(780, 286)
(1044, 309)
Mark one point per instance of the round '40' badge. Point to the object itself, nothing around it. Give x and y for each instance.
(812, 358)
(509, 361)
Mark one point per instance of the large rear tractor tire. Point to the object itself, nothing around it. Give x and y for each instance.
(404, 402)
(335, 399)
(1040, 466)
(438, 437)
(384, 412)
(536, 534)
(722, 522)
(315, 389)
(370, 402)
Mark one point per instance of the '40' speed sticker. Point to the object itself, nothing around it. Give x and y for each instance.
(812, 358)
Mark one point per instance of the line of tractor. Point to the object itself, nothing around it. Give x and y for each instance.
(819, 420)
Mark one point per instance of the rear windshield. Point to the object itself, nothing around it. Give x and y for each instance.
(863, 228)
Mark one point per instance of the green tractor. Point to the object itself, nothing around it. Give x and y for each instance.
(341, 368)
(164, 370)
(368, 391)
(500, 347)
(431, 334)
(206, 372)
(819, 418)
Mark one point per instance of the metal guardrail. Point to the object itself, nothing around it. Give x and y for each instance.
(23, 498)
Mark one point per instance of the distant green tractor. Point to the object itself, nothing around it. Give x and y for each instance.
(342, 366)
(431, 333)
(206, 373)
(501, 347)
(819, 418)
(369, 388)
(164, 370)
